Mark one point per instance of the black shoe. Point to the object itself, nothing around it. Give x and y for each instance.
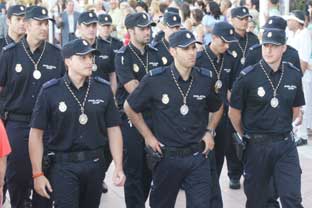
(104, 188)
(234, 184)
(301, 142)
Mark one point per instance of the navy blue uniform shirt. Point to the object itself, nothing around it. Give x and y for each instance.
(57, 110)
(159, 90)
(226, 71)
(237, 51)
(5, 41)
(128, 67)
(255, 55)
(252, 94)
(163, 50)
(104, 60)
(16, 74)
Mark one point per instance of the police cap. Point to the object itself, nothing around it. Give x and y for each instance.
(140, 19)
(274, 36)
(225, 31)
(78, 47)
(275, 22)
(37, 13)
(172, 19)
(240, 12)
(16, 10)
(87, 18)
(105, 19)
(182, 39)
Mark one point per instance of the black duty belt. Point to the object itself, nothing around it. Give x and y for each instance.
(16, 117)
(77, 156)
(184, 151)
(267, 138)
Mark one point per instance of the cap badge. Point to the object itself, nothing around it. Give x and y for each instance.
(231, 32)
(144, 16)
(62, 106)
(165, 99)
(188, 35)
(22, 8)
(43, 11)
(244, 10)
(84, 42)
(106, 18)
(270, 22)
(269, 35)
(90, 15)
(174, 18)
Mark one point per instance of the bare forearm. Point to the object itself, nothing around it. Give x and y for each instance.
(138, 121)
(236, 119)
(215, 118)
(116, 145)
(113, 81)
(36, 149)
(2, 170)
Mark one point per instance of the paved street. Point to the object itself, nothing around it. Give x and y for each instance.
(231, 198)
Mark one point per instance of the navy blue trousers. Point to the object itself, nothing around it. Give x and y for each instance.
(193, 172)
(77, 184)
(19, 173)
(278, 160)
(138, 175)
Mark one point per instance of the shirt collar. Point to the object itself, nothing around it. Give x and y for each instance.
(9, 39)
(71, 84)
(240, 37)
(177, 75)
(211, 54)
(108, 40)
(38, 50)
(268, 69)
(137, 50)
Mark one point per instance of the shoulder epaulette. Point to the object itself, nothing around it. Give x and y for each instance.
(101, 80)
(10, 45)
(247, 70)
(254, 47)
(152, 47)
(122, 49)
(204, 72)
(154, 43)
(291, 65)
(50, 83)
(157, 71)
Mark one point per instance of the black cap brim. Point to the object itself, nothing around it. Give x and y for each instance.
(244, 16)
(229, 39)
(105, 23)
(153, 24)
(90, 22)
(17, 14)
(174, 25)
(43, 18)
(87, 51)
(271, 42)
(188, 44)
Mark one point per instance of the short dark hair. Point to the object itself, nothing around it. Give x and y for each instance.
(274, 1)
(143, 5)
(197, 14)
(186, 11)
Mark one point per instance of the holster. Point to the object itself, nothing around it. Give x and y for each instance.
(152, 158)
(239, 145)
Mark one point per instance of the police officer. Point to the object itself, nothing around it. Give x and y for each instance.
(80, 111)
(132, 62)
(254, 54)
(15, 21)
(239, 18)
(219, 60)
(265, 99)
(25, 66)
(181, 98)
(105, 30)
(103, 63)
(172, 23)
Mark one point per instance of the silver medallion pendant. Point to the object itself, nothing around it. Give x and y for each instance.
(274, 102)
(184, 109)
(94, 67)
(37, 74)
(83, 119)
(243, 59)
(218, 84)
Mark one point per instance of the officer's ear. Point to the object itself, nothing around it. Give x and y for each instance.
(284, 48)
(67, 62)
(173, 51)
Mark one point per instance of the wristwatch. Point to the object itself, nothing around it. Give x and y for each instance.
(211, 131)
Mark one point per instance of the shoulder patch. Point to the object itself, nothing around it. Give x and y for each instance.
(247, 70)
(157, 71)
(9, 46)
(255, 47)
(50, 83)
(292, 66)
(101, 80)
(122, 50)
(152, 47)
(154, 44)
(204, 72)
